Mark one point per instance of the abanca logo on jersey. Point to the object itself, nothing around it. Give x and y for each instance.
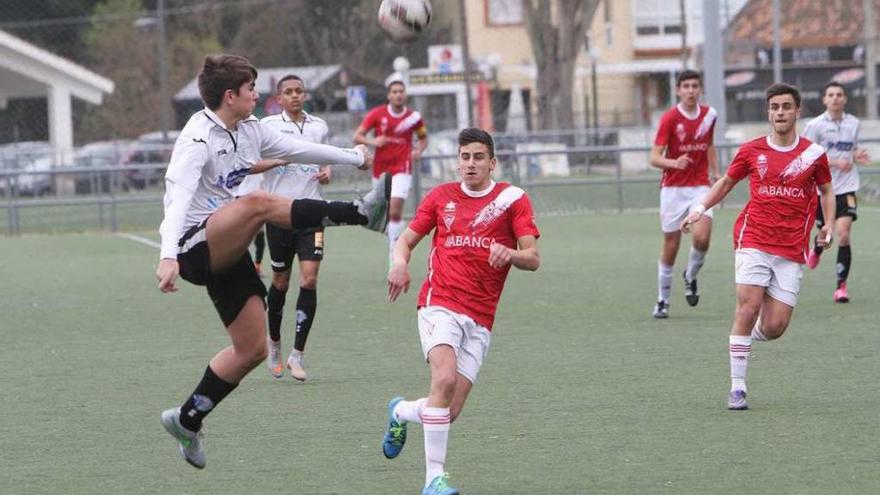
(785, 191)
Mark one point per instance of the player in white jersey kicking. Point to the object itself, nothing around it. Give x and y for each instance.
(481, 229)
(771, 236)
(838, 133)
(295, 181)
(684, 150)
(207, 228)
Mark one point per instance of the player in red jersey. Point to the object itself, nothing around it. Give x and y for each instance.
(684, 150)
(481, 228)
(393, 126)
(772, 234)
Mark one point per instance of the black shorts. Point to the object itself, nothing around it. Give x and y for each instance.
(230, 288)
(846, 207)
(307, 244)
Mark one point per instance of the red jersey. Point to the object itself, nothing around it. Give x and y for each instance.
(459, 276)
(396, 156)
(693, 135)
(782, 195)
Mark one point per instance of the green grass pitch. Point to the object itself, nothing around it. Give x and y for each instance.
(582, 391)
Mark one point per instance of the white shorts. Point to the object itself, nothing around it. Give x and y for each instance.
(470, 341)
(676, 203)
(400, 184)
(781, 277)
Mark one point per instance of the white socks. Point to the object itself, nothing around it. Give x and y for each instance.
(740, 347)
(435, 423)
(664, 281)
(410, 411)
(395, 228)
(695, 262)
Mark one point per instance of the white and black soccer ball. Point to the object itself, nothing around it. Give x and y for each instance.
(404, 20)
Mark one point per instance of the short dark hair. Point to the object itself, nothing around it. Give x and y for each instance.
(833, 84)
(783, 89)
(289, 77)
(222, 72)
(687, 74)
(396, 81)
(476, 135)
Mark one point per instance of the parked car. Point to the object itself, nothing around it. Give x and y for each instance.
(100, 154)
(149, 149)
(32, 159)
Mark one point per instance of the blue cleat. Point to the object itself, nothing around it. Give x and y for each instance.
(736, 401)
(440, 486)
(395, 434)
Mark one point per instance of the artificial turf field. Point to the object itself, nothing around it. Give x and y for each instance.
(582, 392)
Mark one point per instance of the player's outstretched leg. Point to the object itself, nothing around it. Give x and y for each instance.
(188, 441)
(374, 204)
(395, 432)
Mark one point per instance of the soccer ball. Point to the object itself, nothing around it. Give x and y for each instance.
(404, 20)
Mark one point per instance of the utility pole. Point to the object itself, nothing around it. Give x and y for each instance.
(777, 45)
(466, 53)
(870, 60)
(684, 34)
(713, 66)
(164, 115)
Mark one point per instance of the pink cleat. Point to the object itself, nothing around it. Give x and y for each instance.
(840, 295)
(813, 259)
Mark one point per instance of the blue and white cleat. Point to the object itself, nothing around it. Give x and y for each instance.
(440, 486)
(736, 401)
(188, 442)
(395, 434)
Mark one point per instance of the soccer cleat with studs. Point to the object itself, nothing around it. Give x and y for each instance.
(374, 204)
(273, 361)
(440, 486)
(736, 401)
(661, 309)
(188, 442)
(690, 291)
(395, 432)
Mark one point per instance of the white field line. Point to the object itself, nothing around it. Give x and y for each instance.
(142, 240)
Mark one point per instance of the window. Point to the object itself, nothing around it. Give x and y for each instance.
(504, 12)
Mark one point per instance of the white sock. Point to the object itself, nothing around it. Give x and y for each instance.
(410, 411)
(664, 281)
(395, 228)
(757, 334)
(695, 262)
(740, 347)
(435, 423)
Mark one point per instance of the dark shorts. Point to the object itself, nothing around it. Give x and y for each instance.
(284, 244)
(846, 207)
(229, 288)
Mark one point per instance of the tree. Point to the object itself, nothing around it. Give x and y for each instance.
(556, 29)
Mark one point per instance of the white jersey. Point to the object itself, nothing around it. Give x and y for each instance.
(840, 139)
(209, 163)
(296, 180)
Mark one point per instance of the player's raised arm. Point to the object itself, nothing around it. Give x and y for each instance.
(398, 275)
